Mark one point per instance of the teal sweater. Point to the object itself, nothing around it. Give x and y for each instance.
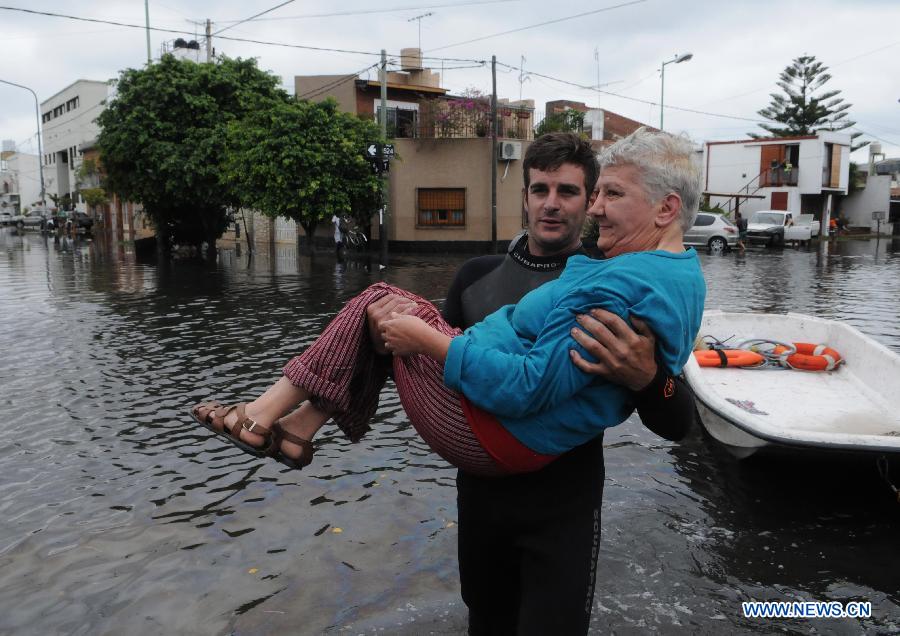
(515, 363)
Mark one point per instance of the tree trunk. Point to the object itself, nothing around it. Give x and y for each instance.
(211, 249)
(163, 244)
(309, 227)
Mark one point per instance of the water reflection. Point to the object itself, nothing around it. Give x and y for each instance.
(118, 514)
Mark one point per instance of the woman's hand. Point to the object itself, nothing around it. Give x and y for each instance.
(406, 335)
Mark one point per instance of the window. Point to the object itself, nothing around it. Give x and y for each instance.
(402, 118)
(704, 219)
(441, 207)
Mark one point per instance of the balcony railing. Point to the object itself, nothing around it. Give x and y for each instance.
(778, 177)
(460, 119)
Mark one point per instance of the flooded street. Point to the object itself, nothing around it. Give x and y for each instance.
(118, 514)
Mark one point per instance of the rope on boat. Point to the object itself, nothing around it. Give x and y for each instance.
(884, 471)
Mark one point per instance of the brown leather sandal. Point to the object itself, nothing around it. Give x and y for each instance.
(212, 416)
(273, 450)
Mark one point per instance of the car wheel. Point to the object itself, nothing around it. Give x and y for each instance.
(717, 245)
(21, 225)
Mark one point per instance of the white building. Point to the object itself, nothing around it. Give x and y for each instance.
(68, 120)
(804, 175)
(20, 185)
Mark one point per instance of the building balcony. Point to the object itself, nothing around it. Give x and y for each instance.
(459, 119)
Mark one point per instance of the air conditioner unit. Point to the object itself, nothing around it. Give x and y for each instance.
(510, 150)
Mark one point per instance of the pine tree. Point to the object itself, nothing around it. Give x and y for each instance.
(800, 109)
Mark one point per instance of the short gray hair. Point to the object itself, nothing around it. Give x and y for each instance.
(666, 164)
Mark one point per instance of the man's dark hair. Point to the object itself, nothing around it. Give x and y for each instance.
(550, 151)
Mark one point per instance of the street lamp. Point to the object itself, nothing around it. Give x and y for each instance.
(678, 59)
(37, 113)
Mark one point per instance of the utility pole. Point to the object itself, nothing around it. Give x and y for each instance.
(493, 154)
(208, 41)
(383, 213)
(37, 116)
(147, 19)
(597, 57)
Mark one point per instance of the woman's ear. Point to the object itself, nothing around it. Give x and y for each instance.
(669, 210)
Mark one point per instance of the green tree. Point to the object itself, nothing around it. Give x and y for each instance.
(163, 141)
(569, 120)
(805, 107)
(87, 179)
(303, 161)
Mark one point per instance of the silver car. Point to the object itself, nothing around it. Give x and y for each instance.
(712, 231)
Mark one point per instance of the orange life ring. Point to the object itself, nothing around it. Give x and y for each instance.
(812, 357)
(728, 358)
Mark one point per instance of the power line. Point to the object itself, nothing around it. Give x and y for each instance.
(887, 141)
(534, 26)
(278, 6)
(222, 37)
(327, 87)
(635, 99)
(371, 11)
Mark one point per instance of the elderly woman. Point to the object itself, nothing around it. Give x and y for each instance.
(504, 397)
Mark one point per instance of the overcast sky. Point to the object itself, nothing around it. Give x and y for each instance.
(739, 48)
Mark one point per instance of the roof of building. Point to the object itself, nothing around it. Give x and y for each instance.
(57, 93)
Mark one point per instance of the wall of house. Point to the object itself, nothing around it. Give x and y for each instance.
(453, 163)
(729, 167)
(68, 130)
(857, 208)
(23, 169)
(813, 159)
(344, 92)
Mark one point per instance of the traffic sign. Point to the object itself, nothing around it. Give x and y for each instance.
(380, 166)
(379, 151)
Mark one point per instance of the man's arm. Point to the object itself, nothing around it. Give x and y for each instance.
(625, 356)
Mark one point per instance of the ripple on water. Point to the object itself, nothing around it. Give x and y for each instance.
(119, 514)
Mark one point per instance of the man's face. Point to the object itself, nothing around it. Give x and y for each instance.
(556, 205)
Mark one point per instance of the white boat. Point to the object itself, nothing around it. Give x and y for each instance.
(855, 408)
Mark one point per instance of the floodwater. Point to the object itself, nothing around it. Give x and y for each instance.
(119, 515)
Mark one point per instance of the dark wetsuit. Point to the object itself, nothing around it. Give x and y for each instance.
(528, 543)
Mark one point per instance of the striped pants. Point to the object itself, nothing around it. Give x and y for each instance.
(344, 377)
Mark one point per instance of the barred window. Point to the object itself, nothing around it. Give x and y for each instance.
(441, 207)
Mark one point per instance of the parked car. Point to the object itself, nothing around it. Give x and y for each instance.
(32, 221)
(712, 231)
(82, 221)
(767, 226)
(6, 218)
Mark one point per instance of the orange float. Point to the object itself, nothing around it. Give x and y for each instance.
(728, 358)
(811, 357)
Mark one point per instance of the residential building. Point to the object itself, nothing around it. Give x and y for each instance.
(122, 220)
(602, 126)
(806, 175)
(875, 203)
(68, 122)
(440, 181)
(20, 186)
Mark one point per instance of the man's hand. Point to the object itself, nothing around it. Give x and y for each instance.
(405, 335)
(380, 311)
(624, 356)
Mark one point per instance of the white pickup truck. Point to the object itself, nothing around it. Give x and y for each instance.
(810, 220)
(774, 227)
